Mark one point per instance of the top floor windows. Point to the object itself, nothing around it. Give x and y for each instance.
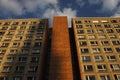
(78, 22)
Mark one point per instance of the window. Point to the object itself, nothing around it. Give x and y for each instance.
(88, 26)
(115, 67)
(20, 68)
(113, 21)
(93, 43)
(39, 32)
(98, 58)
(116, 26)
(79, 26)
(33, 22)
(31, 78)
(100, 31)
(102, 36)
(95, 50)
(112, 36)
(8, 38)
(98, 26)
(22, 59)
(30, 32)
(13, 51)
(80, 31)
(4, 28)
(20, 32)
(90, 31)
(39, 37)
(105, 43)
(118, 30)
(108, 50)
(84, 50)
(28, 38)
(91, 37)
(83, 43)
(24, 51)
(13, 28)
(24, 23)
(16, 45)
(15, 23)
(31, 27)
(27, 44)
(17, 38)
(34, 60)
(36, 51)
(17, 78)
(111, 58)
(6, 68)
(81, 37)
(37, 44)
(11, 33)
(104, 77)
(101, 67)
(10, 59)
(32, 68)
(117, 49)
(2, 51)
(78, 22)
(7, 23)
(90, 77)
(107, 26)
(117, 76)
(87, 21)
(116, 42)
(22, 27)
(2, 33)
(5, 45)
(88, 68)
(109, 31)
(86, 58)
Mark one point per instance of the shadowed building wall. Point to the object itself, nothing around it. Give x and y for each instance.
(60, 58)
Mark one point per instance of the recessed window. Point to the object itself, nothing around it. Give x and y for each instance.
(115, 67)
(31, 78)
(15, 23)
(30, 32)
(34, 60)
(13, 28)
(28, 38)
(102, 37)
(2, 51)
(20, 69)
(87, 21)
(81, 37)
(113, 21)
(98, 26)
(109, 31)
(11, 33)
(24, 51)
(36, 51)
(22, 27)
(112, 36)
(117, 49)
(101, 67)
(116, 42)
(105, 43)
(107, 26)
(37, 44)
(78, 22)
(16, 45)
(84, 50)
(117, 76)
(17, 78)
(88, 26)
(13, 51)
(22, 59)
(32, 27)
(79, 26)
(95, 50)
(32, 68)
(27, 44)
(100, 31)
(88, 68)
(91, 37)
(8, 38)
(111, 58)
(86, 58)
(83, 43)
(20, 32)
(39, 37)
(104, 77)
(80, 31)
(90, 77)
(24, 23)
(6, 68)
(10, 59)
(4, 28)
(17, 38)
(93, 43)
(108, 50)
(98, 58)
(5, 45)
(116, 26)
(118, 30)
(90, 31)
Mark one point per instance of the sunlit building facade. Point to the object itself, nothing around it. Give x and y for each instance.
(22, 48)
(98, 47)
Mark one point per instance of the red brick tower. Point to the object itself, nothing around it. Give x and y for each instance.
(60, 58)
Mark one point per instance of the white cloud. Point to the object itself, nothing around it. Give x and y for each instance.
(50, 12)
(117, 13)
(19, 7)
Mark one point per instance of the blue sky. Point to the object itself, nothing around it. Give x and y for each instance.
(50, 8)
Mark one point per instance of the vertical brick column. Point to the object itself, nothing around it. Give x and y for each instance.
(60, 58)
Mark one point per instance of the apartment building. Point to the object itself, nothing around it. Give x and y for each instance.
(98, 47)
(22, 48)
